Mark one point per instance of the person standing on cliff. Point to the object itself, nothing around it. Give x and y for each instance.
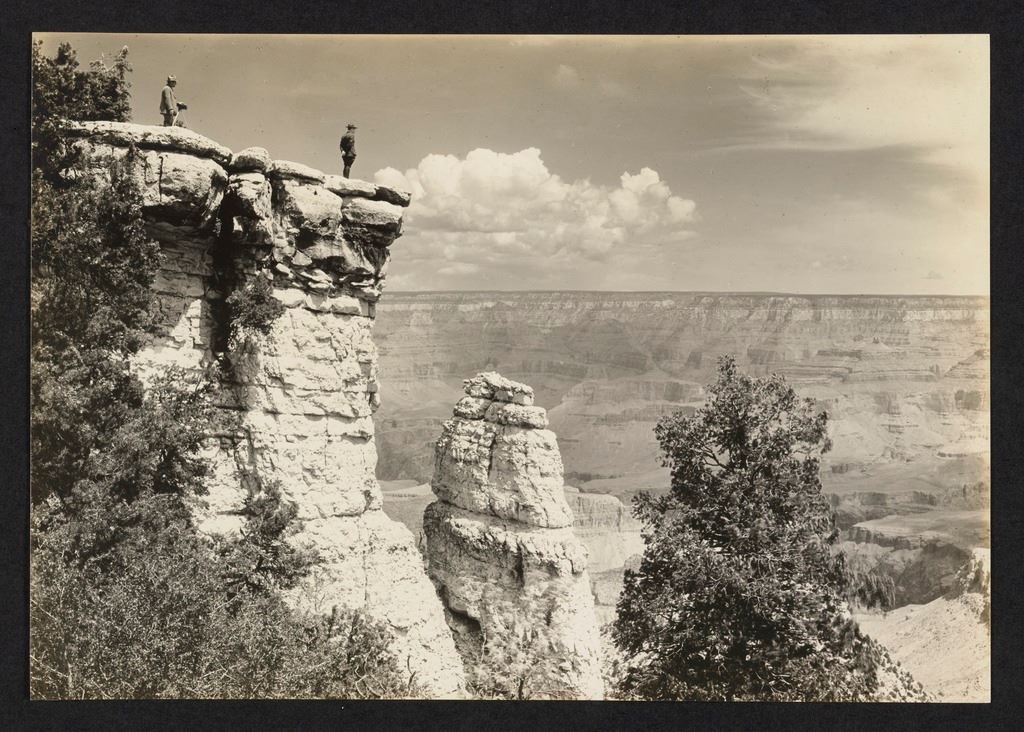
(170, 106)
(348, 149)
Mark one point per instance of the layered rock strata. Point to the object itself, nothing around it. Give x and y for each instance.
(902, 377)
(303, 396)
(499, 539)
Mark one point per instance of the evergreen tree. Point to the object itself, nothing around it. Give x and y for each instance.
(739, 594)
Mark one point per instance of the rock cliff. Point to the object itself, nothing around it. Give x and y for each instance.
(302, 396)
(499, 539)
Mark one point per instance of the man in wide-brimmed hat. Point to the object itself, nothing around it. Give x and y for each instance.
(170, 107)
(348, 149)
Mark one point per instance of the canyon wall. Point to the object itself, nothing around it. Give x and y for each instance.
(903, 378)
(500, 544)
(297, 403)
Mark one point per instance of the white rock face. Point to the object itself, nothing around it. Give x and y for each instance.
(499, 541)
(309, 390)
(303, 395)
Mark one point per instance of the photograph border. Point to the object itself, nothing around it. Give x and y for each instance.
(1003, 21)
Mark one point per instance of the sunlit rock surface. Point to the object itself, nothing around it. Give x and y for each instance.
(903, 378)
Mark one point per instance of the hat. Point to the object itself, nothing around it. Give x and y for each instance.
(170, 79)
(351, 127)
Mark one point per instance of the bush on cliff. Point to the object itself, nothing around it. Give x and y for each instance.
(164, 612)
(517, 663)
(127, 598)
(739, 595)
(253, 308)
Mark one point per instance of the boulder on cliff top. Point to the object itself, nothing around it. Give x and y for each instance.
(350, 187)
(492, 385)
(250, 160)
(371, 223)
(288, 170)
(174, 139)
(182, 190)
(393, 195)
(373, 213)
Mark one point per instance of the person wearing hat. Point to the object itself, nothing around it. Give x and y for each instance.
(348, 149)
(169, 106)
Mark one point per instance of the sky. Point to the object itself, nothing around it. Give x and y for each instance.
(804, 164)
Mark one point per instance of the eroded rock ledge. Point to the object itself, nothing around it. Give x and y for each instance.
(303, 397)
(499, 541)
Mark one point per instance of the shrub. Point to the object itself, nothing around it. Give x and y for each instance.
(517, 663)
(62, 91)
(156, 616)
(253, 308)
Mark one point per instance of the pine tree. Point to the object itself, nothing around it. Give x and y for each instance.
(739, 594)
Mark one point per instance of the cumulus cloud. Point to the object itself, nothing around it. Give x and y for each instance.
(933, 275)
(492, 217)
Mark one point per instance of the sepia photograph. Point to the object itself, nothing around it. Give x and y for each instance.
(510, 367)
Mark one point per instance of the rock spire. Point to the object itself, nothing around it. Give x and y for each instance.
(500, 544)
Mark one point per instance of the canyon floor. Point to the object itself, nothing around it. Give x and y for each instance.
(904, 380)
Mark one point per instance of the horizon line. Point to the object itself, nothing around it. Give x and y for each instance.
(765, 293)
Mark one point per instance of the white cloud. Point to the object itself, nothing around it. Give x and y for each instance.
(494, 217)
(459, 268)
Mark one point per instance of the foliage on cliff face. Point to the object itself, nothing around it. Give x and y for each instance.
(518, 663)
(93, 426)
(739, 595)
(163, 612)
(253, 308)
(128, 600)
